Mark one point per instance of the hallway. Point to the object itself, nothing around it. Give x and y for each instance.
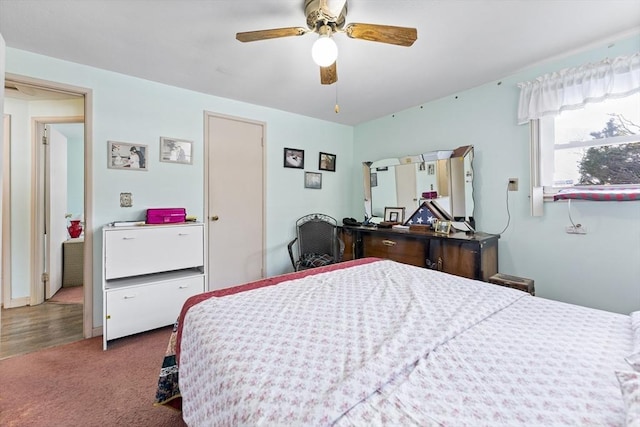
(31, 328)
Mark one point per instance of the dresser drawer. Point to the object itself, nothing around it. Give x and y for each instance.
(397, 248)
(141, 308)
(146, 250)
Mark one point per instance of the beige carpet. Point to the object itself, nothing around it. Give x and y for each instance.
(79, 384)
(70, 295)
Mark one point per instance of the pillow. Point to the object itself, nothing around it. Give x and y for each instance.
(630, 388)
(314, 260)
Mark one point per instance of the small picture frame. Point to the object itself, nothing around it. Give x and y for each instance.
(442, 226)
(174, 150)
(127, 156)
(327, 162)
(394, 214)
(293, 158)
(431, 169)
(374, 179)
(313, 180)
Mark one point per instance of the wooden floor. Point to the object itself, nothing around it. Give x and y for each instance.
(26, 329)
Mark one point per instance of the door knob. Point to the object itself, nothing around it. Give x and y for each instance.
(215, 218)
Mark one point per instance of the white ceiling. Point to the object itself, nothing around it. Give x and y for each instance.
(191, 44)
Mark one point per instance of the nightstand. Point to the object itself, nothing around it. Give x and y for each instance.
(73, 262)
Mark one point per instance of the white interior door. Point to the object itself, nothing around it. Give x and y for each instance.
(56, 207)
(235, 207)
(406, 188)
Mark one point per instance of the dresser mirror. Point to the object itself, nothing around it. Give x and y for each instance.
(445, 177)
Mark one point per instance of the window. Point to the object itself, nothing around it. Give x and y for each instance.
(584, 130)
(595, 146)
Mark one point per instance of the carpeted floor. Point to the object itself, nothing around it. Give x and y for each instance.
(79, 384)
(70, 295)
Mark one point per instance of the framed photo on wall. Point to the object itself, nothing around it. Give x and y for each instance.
(174, 150)
(313, 180)
(293, 158)
(327, 162)
(125, 155)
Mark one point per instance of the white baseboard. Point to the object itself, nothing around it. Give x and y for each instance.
(18, 302)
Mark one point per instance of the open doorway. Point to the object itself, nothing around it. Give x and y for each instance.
(44, 287)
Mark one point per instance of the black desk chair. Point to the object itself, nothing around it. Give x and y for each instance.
(317, 241)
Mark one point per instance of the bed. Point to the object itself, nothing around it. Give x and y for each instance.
(376, 342)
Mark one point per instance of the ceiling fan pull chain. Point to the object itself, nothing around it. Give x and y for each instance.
(337, 107)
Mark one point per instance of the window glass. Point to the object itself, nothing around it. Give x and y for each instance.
(597, 145)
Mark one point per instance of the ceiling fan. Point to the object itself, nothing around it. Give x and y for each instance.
(327, 17)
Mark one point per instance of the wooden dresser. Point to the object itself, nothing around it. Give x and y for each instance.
(469, 255)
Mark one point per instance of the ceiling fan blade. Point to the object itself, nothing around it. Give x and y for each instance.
(401, 36)
(252, 36)
(329, 75)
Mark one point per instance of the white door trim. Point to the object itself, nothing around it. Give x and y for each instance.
(207, 172)
(38, 202)
(87, 93)
(6, 212)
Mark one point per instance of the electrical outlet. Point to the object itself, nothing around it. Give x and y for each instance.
(578, 229)
(513, 184)
(126, 200)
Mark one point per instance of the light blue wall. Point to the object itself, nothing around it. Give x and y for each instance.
(129, 109)
(20, 198)
(22, 113)
(75, 176)
(600, 269)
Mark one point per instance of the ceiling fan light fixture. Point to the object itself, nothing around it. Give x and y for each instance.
(324, 50)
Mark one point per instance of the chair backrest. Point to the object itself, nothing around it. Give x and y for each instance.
(317, 233)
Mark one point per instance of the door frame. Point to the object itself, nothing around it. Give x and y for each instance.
(207, 173)
(39, 203)
(87, 94)
(6, 212)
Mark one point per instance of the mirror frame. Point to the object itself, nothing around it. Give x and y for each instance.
(453, 168)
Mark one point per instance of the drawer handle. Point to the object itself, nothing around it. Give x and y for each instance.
(434, 265)
(129, 296)
(388, 243)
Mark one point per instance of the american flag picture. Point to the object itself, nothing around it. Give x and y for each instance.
(422, 216)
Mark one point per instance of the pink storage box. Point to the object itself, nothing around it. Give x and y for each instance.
(430, 195)
(166, 215)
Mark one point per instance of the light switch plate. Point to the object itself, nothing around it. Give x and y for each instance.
(126, 200)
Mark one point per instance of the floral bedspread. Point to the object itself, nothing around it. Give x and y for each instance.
(308, 350)
(536, 363)
(168, 391)
(390, 344)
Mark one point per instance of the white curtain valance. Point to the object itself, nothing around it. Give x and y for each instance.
(572, 88)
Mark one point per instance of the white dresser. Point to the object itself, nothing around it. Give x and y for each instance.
(149, 272)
